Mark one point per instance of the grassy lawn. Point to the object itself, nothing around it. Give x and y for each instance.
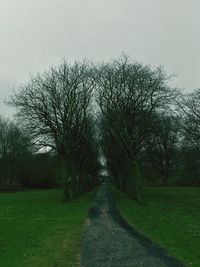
(171, 218)
(38, 229)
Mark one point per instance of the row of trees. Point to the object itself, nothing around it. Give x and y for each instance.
(172, 146)
(129, 96)
(147, 127)
(124, 110)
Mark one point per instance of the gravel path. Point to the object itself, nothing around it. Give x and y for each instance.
(108, 241)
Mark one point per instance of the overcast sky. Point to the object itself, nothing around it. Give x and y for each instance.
(36, 34)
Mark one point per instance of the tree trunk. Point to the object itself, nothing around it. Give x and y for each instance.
(134, 184)
(81, 185)
(73, 187)
(66, 195)
(166, 173)
(67, 180)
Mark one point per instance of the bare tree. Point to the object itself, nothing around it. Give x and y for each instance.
(162, 143)
(189, 113)
(129, 93)
(54, 107)
(189, 116)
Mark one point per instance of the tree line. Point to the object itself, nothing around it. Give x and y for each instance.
(123, 111)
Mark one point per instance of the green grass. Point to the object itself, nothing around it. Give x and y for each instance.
(38, 229)
(171, 218)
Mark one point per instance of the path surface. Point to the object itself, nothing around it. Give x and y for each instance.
(108, 241)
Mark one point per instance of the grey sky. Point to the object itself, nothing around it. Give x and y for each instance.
(35, 34)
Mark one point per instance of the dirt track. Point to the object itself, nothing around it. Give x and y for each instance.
(108, 241)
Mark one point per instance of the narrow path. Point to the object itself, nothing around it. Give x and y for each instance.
(108, 241)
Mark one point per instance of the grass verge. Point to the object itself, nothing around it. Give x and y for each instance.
(171, 218)
(38, 229)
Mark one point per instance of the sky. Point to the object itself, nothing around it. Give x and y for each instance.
(38, 34)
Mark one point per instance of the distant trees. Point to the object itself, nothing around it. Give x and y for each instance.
(55, 106)
(15, 149)
(21, 164)
(41, 170)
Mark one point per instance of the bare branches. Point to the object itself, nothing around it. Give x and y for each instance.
(129, 93)
(54, 103)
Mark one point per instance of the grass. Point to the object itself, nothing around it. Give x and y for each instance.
(38, 229)
(171, 218)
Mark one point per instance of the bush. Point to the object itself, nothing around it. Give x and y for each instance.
(42, 172)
